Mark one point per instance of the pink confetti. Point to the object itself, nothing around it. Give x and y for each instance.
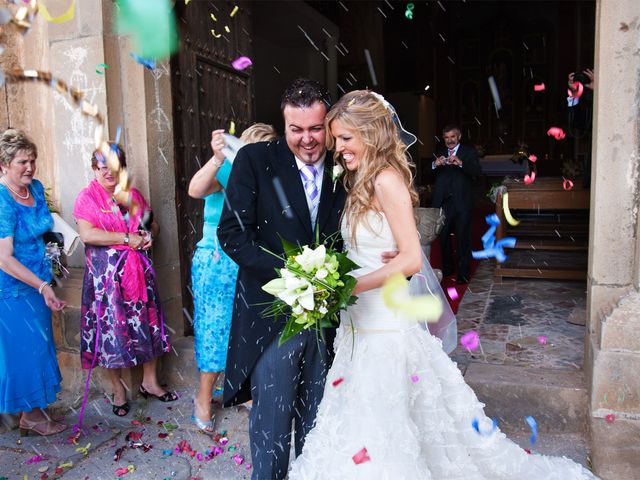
(122, 471)
(539, 87)
(567, 184)
(556, 132)
(415, 378)
(610, 418)
(361, 457)
(470, 340)
(36, 459)
(337, 382)
(542, 340)
(528, 180)
(453, 293)
(533, 158)
(239, 459)
(579, 89)
(241, 63)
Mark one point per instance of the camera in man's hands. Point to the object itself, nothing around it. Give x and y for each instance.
(581, 77)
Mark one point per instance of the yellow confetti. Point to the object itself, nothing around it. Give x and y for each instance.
(65, 17)
(232, 128)
(213, 32)
(213, 17)
(186, 2)
(234, 11)
(84, 450)
(226, 29)
(507, 213)
(395, 293)
(66, 465)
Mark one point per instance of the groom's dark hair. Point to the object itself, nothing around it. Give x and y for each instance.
(304, 92)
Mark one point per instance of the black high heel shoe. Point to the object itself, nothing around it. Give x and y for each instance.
(167, 397)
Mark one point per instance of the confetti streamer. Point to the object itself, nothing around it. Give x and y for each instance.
(65, 17)
(337, 382)
(610, 418)
(539, 87)
(532, 158)
(542, 340)
(241, 63)
(529, 179)
(361, 457)
(395, 293)
(232, 128)
(491, 247)
(104, 67)
(534, 429)
(415, 378)
(234, 11)
(567, 184)
(475, 424)
(213, 32)
(556, 132)
(409, 12)
(145, 62)
(470, 340)
(507, 213)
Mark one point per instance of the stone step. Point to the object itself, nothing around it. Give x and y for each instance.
(557, 399)
(570, 445)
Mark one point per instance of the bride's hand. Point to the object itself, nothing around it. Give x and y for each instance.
(388, 256)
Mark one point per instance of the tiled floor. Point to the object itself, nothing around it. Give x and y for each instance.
(510, 317)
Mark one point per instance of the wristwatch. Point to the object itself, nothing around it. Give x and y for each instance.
(126, 238)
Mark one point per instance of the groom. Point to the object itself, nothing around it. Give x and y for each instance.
(278, 189)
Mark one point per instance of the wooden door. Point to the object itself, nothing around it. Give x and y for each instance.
(208, 93)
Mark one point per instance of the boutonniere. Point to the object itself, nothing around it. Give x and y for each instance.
(336, 173)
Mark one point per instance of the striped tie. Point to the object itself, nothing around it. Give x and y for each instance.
(308, 174)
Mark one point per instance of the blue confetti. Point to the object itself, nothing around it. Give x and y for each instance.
(534, 429)
(476, 426)
(491, 248)
(145, 62)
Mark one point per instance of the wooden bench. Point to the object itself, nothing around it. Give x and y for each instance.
(551, 220)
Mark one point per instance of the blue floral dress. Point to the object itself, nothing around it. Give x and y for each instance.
(29, 373)
(213, 278)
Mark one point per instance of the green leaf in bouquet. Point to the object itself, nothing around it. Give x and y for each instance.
(290, 329)
(346, 264)
(289, 248)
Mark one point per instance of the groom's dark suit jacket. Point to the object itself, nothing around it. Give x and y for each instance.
(456, 182)
(255, 215)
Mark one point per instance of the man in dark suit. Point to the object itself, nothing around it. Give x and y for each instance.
(455, 166)
(278, 189)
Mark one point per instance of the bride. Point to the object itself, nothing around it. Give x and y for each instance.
(395, 406)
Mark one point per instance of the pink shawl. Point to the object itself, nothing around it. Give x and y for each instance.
(96, 206)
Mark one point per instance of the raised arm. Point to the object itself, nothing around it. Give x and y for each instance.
(393, 196)
(204, 182)
(238, 223)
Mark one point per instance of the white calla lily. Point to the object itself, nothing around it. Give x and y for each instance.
(297, 290)
(311, 260)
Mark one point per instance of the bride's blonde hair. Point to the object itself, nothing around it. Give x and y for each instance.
(367, 116)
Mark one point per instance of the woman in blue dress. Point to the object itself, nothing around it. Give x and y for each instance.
(29, 373)
(213, 274)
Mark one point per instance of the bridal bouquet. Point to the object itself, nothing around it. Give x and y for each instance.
(312, 288)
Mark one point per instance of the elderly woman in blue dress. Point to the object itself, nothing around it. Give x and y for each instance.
(29, 373)
(213, 274)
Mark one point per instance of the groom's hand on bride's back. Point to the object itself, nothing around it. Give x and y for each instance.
(388, 256)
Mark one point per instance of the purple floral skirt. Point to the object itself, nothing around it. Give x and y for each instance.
(116, 332)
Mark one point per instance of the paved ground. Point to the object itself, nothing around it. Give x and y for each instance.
(159, 441)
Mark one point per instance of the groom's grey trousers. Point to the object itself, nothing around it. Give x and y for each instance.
(286, 385)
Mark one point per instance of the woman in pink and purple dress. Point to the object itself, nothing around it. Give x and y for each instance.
(122, 322)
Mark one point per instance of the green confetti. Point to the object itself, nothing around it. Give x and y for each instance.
(170, 426)
(151, 25)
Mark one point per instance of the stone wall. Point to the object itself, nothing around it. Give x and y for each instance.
(613, 349)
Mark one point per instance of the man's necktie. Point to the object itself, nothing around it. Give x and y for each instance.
(308, 174)
(451, 151)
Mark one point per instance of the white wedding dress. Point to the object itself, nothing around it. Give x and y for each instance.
(405, 401)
